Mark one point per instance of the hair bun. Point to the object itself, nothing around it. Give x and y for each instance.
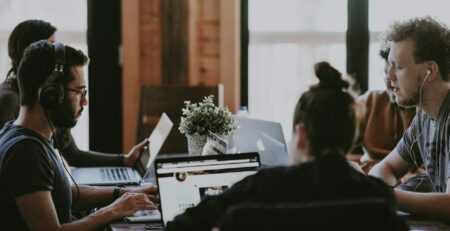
(329, 77)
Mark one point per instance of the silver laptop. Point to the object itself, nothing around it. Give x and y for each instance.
(184, 181)
(264, 137)
(124, 175)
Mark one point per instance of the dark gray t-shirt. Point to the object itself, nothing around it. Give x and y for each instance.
(427, 141)
(28, 163)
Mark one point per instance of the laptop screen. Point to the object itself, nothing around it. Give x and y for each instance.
(156, 141)
(264, 137)
(184, 182)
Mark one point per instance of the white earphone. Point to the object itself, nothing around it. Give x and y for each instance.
(426, 76)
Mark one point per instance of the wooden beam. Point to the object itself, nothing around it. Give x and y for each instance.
(174, 40)
(131, 68)
(230, 52)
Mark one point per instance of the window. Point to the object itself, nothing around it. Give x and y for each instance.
(287, 37)
(383, 12)
(68, 16)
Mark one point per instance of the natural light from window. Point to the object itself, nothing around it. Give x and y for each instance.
(383, 12)
(287, 37)
(68, 16)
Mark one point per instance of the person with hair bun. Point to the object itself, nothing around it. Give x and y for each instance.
(325, 126)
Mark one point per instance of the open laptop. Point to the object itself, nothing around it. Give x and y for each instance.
(125, 175)
(264, 137)
(184, 181)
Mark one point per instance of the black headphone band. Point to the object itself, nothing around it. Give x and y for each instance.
(60, 57)
(51, 93)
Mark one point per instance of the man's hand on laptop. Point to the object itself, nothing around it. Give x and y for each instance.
(135, 152)
(149, 190)
(129, 203)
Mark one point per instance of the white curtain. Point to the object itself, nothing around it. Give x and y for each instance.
(287, 37)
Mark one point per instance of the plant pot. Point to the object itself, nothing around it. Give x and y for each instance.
(196, 143)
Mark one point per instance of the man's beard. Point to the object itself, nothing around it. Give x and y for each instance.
(412, 102)
(64, 116)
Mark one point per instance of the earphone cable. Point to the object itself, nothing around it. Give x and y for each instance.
(62, 161)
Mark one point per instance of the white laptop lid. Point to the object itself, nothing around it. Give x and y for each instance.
(94, 176)
(156, 141)
(264, 137)
(183, 182)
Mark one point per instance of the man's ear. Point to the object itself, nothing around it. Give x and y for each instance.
(302, 139)
(432, 71)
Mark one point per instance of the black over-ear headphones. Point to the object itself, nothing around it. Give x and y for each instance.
(51, 93)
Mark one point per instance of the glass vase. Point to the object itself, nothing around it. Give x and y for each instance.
(196, 143)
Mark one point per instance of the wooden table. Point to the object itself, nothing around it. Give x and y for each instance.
(415, 223)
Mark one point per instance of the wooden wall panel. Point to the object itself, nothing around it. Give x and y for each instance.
(150, 42)
(174, 42)
(230, 52)
(207, 42)
(131, 70)
(181, 42)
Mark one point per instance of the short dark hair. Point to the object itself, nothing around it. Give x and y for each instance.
(38, 62)
(328, 113)
(431, 40)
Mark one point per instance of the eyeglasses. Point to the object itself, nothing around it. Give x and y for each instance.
(83, 92)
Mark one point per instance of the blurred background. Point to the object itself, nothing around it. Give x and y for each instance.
(262, 51)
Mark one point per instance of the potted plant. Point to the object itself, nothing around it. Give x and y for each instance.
(198, 119)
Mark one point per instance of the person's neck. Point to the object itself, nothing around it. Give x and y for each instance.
(34, 118)
(433, 97)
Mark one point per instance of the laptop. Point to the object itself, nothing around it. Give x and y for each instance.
(264, 137)
(184, 181)
(124, 175)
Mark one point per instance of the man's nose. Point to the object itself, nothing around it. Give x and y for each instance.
(83, 102)
(390, 75)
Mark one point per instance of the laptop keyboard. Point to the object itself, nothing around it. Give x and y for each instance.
(145, 215)
(115, 174)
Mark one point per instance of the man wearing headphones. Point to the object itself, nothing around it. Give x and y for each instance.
(419, 63)
(35, 191)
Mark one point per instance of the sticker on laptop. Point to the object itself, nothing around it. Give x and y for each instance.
(214, 145)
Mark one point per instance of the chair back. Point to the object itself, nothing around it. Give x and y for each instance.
(155, 100)
(360, 214)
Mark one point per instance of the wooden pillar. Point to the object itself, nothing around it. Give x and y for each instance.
(174, 42)
(131, 69)
(230, 61)
(141, 58)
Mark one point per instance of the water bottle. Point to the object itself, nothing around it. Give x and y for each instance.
(243, 111)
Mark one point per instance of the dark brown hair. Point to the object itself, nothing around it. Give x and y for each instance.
(328, 113)
(21, 37)
(431, 40)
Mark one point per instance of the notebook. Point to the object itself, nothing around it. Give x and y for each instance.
(184, 181)
(264, 137)
(124, 175)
